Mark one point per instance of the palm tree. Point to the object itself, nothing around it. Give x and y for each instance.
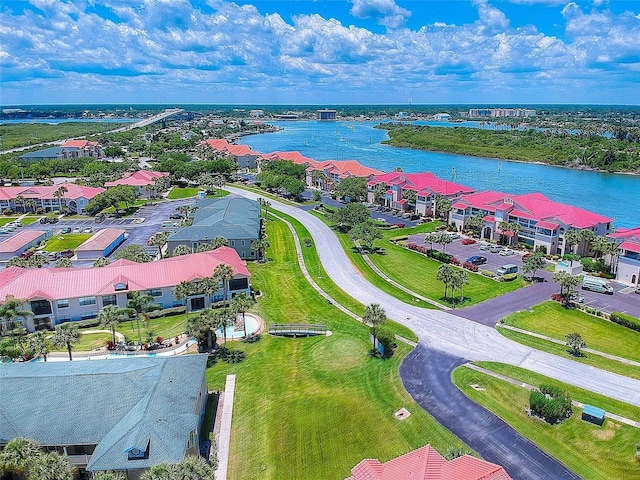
(219, 241)
(10, 311)
(110, 317)
(63, 263)
(108, 475)
(31, 203)
(18, 455)
(571, 238)
(374, 315)
(101, 262)
(201, 327)
(19, 199)
(460, 278)
(443, 207)
(37, 261)
(138, 304)
(260, 246)
(183, 291)
(191, 468)
(181, 250)
(222, 318)
(241, 303)
(445, 274)
(444, 239)
(223, 273)
(52, 466)
(158, 240)
(515, 227)
(66, 334)
(587, 236)
(60, 195)
(40, 344)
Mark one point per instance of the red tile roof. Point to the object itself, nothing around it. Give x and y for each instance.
(295, 157)
(344, 168)
(140, 178)
(80, 144)
(223, 146)
(626, 233)
(427, 464)
(547, 225)
(425, 182)
(535, 206)
(101, 240)
(59, 283)
(630, 246)
(73, 192)
(19, 240)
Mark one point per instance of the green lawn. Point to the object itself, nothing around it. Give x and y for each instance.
(29, 220)
(314, 408)
(594, 453)
(68, 241)
(165, 327)
(563, 351)
(553, 320)
(186, 192)
(88, 342)
(5, 220)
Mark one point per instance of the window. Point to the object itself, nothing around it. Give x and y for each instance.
(40, 307)
(242, 243)
(120, 286)
(154, 292)
(63, 303)
(192, 439)
(232, 243)
(86, 315)
(109, 300)
(63, 319)
(87, 301)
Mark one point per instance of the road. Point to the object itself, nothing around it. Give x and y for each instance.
(449, 333)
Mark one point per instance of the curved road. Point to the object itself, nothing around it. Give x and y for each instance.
(449, 333)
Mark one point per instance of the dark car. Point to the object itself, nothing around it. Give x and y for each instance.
(477, 260)
(66, 230)
(67, 253)
(175, 216)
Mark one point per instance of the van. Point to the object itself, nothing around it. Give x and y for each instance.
(167, 223)
(508, 268)
(596, 284)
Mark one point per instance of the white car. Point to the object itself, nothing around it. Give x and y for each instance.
(380, 219)
(505, 252)
(77, 230)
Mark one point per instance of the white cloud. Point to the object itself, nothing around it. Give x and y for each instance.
(386, 12)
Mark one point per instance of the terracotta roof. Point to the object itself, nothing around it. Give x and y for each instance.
(218, 144)
(459, 205)
(56, 283)
(80, 144)
(425, 182)
(73, 192)
(295, 157)
(630, 246)
(626, 233)
(535, 206)
(344, 168)
(547, 225)
(20, 240)
(140, 178)
(427, 464)
(101, 240)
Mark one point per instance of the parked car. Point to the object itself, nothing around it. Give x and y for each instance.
(505, 252)
(477, 260)
(66, 230)
(508, 268)
(380, 219)
(454, 235)
(495, 248)
(77, 230)
(88, 230)
(525, 256)
(175, 216)
(596, 284)
(485, 246)
(67, 253)
(49, 220)
(54, 255)
(4, 230)
(44, 253)
(27, 254)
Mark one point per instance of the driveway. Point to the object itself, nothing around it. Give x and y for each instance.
(426, 374)
(451, 333)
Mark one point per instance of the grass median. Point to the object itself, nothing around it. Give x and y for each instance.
(594, 453)
(315, 407)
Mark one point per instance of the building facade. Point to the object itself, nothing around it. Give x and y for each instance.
(57, 295)
(628, 263)
(50, 199)
(145, 182)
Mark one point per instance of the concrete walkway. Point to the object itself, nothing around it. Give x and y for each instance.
(560, 342)
(518, 383)
(224, 437)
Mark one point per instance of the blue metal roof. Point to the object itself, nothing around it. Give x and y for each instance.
(594, 411)
(117, 404)
(52, 152)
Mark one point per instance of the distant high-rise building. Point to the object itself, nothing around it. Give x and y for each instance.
(326, 115)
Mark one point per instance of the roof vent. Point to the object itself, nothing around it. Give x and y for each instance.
(137, 452)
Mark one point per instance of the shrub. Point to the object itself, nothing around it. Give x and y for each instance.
(110, 345)
(388, 341)
(252, 338)
(508, 277)
(470, 266)
(39, 211)
(454, 261)
(556, 297)
(307, 242)
(488, 273)
(550, 403)
(159, 339)
(167, 312)
(398, 238)
(7, 211)
(234, 356)
(625, 320)
(441, 257)
(88, 323)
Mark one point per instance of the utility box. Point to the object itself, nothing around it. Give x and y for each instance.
(593, 415)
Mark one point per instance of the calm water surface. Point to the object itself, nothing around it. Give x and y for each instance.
(616, 196)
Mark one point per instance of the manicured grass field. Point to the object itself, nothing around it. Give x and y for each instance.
(563, 351)
(88, 342)
(184, 192)
(594, 453)
(165, 327)
(313, 408)
(29, 220)
(68, 241)
(553, 320)
(5, 220)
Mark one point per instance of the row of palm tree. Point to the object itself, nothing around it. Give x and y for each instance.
(452, 277)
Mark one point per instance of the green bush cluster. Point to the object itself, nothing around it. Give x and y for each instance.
(508, 277)
(550, 403)
(388, 340)
(488, 273)
(167, 312)
(441, 257)
(625, 320)
(589, 265)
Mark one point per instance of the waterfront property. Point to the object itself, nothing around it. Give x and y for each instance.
(53, 198)
(102, 244)
(426, 463)
(245, 157)
(542, 222)
(21, 242)
(56, 295)
(325, 115)
(425, 188)
(628, 266)
(124, 415)
(144, 181)
(235, 218)
(70, 149)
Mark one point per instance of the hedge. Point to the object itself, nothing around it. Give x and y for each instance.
(167, 312)
(625, 320)
(507, 277)
(550, 403)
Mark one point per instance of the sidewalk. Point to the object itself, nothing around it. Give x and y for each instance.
(576, 404)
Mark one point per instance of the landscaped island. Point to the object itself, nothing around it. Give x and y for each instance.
(587, 151)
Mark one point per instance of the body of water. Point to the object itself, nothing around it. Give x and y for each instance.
(614, 195)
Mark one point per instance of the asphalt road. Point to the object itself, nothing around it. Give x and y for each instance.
(452, 334)
(426, 374)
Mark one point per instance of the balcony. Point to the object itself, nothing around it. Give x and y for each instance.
(80, 460)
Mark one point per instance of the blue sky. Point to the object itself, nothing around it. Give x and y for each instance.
(320, 52)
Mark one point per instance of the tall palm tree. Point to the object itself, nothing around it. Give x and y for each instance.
(515, 228)
(101, 262)
(459, 279)
(260, 246)
(158, 240)
(181, 250)
(571, 238)
(52, 466)
(40, 344)
(31, 203)
(224, 273)
(241, 303)
(182, 292)
(445, 275)
(138, 304)
(110, 317)
(219, 241)
(222, 318)
(19, 199)
(18, 455)
(66, 334)
(587, 236)
(10, 312)
(374, 315)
